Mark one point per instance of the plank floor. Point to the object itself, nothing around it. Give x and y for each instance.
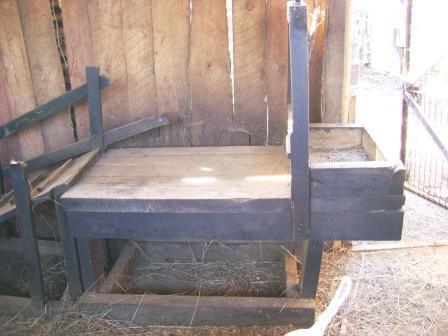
(193, 173)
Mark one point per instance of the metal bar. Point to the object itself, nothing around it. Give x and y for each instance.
(300, 184)
(46, 110)
(83, 146)
(418, 112)
(21, 186)
(95, 109)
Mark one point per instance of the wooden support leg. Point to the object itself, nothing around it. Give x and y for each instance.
(309, 253)
(92, 258)
(21, 186)
(69, 248)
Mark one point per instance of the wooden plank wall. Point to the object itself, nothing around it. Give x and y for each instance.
(30, 74)
(173, 56)
(217, 68)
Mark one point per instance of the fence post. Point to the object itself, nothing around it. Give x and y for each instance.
(300, 179)
(95, 108)
(19, 180)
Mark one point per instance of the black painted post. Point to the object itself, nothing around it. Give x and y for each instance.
(21, 187)
(2, 184)
(300, 174)
(95, 109)
(309, 253)
(71, 261)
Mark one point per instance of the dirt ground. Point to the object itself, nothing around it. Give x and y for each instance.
(395, 292)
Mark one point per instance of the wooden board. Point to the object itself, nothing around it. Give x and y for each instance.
(276, 70)
(139, 63)
(46, 69)
(336, 73)
(194, 311)
(209, 71)
(249, 80)
(78, 41)
(18, 87)
(171, 29)
(109, 54)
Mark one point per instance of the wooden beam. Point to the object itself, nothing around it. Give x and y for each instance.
(309, 253)
(179, 310)
(118, 275)
(31, 255)
(300, 171)
(41, 112)
(336, 73)
(291, 276)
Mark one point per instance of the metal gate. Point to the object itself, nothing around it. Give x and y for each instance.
(425, 126)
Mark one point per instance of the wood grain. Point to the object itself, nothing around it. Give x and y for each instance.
(105, 19)
(276, 68)
(18, 88)
(139, 56)
(171, 29)
(46, 69)
(78, 41)
(249, 79)
(209, 71)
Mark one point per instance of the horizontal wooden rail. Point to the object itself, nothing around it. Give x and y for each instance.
(85, 145)
(41, 112)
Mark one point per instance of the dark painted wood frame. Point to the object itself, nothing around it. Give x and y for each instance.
(19, 178)
(83, 227)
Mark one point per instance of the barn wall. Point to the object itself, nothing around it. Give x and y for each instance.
(218, 69)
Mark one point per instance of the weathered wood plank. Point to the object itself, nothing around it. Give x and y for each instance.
(276, 70)
(83, 146)
(223, 226)
(78, 41)
(196, 311)
(46, 69)
(349, 225)
(139, 56)
(18, 89)
(370, 178)
(336, 73)
(249, 68)
(171, 29)
(357, 203)
(119, 274)
(209, 74)
(316, 57)
(105, 19)
(41, 112)
(335, 136)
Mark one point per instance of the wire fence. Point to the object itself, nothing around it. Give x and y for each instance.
(427, 134)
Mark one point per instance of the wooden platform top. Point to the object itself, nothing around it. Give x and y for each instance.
(187, 173)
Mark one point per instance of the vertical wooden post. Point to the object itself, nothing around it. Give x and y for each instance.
(337, 57)
(95, 109)
(69, 247)
(407, 62)
(92, 259)
(309, 253)
(21, 187)
(300, 181)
